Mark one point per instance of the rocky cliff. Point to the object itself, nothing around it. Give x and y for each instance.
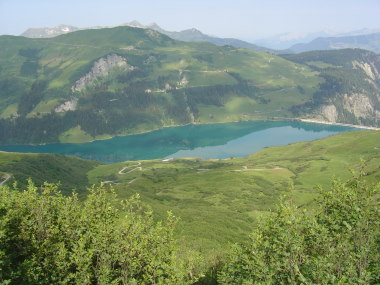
(350, 91)
(101, 68)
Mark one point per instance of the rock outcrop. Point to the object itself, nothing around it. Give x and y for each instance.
(101, 68)
(369, 69)
(70, 105)
(329, 113)
(359, 105)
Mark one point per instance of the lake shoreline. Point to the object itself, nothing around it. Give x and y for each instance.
(338, 124)
(222, 140)
(277, 119)
(312, 121)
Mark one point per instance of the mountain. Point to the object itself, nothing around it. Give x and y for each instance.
(360, 32)
(49, 32)
(94, 84)
(194, 35)
(285, 40)
(190, 35)
(369, 42)
(350, 91)
(98, 83)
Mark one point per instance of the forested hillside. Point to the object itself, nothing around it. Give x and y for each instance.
(69, 171)
(350, 89)
(94, 84)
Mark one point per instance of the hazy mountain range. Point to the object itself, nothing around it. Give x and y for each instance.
(281, 44)
(189, 35)
(369, 42)
(287, 40)
(194, 35)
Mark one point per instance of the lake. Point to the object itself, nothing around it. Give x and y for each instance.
(204, 141)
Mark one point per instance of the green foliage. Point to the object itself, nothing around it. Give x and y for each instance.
(339, 244)
(219, 201)
(31, 65)
(339, 81)
(338, 58)
(29, 100)
(69, 171)
(11, 89)
(46, 238)
(30, 53)
(29, 68)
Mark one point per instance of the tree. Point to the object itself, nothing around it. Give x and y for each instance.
(339, 244)
(47, 238)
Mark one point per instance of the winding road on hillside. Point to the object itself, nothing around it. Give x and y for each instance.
(126, 167)
(245, 168)
(5, 178)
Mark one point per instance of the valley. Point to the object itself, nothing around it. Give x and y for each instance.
(218, 200)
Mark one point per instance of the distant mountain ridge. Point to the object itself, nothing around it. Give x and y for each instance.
(189, 35)
(194, 35)
(285, 41)
(49, 32)
(363, 38)
(369, 42)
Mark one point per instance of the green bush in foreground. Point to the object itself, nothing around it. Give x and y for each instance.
(339, 244)
(46, 238)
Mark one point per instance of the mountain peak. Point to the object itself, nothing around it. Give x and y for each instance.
(134, 23)
(49, 32)
(192, 30)
(153, 24)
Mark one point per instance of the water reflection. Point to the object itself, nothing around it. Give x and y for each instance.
(206, 141)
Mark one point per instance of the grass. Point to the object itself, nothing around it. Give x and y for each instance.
(75, 135)
(219, 201)
(10, 110)
(69, 171)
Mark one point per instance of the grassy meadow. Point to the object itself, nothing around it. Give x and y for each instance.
(219, 201)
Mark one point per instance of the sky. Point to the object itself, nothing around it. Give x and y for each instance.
(243, 19)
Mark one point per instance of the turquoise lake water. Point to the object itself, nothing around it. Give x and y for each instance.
(204, 141)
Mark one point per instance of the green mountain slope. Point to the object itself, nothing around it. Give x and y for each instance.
(97, 83)
(93, 84)
(69, 171)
